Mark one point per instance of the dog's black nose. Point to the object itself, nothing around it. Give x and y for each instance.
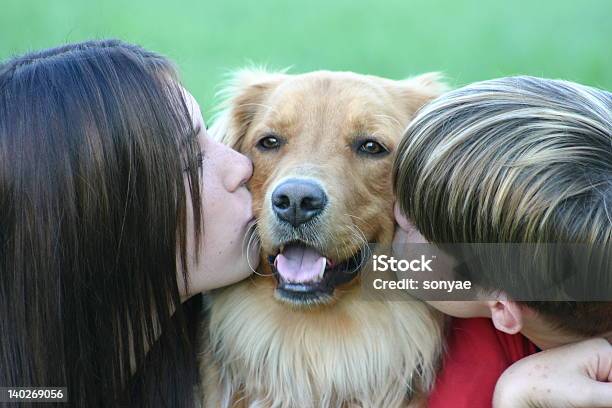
(297, 201)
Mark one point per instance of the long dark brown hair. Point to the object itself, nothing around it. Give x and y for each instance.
(95, 143)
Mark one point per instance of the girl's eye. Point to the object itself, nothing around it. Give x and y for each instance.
(200, 159)
(370, 147)
(269, 142)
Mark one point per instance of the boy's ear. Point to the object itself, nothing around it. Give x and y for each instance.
(506, 314)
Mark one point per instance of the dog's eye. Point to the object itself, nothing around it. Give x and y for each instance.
(373, 148)
(269, 143)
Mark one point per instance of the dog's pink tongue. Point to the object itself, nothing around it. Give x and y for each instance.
(299, 264)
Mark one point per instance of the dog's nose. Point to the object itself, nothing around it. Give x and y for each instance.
(297, 201)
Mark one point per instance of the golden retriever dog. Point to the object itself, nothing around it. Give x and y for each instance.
(300, 333)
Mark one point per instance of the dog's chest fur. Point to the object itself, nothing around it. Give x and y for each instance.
(359, 353)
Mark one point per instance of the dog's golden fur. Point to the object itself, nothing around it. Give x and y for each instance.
(347, 352)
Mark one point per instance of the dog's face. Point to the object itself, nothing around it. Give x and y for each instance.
(322, 146)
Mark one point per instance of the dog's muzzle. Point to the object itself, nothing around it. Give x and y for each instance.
(304, 276)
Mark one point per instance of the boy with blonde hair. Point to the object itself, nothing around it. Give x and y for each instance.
(516, 160)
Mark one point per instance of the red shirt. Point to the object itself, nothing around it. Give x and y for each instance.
(477, 354)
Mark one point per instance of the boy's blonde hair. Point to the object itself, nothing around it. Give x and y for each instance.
(514, 160)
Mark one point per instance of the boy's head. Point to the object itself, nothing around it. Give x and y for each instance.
(514, 160)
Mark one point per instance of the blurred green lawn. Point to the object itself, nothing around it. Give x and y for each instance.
(468, 40)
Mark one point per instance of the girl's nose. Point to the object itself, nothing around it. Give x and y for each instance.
(238, 169)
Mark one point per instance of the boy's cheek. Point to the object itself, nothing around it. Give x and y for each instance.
(400, 239)
(401, 242)
(407, 231)
(401, 219)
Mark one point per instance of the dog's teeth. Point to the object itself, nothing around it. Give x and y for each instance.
(322, 271)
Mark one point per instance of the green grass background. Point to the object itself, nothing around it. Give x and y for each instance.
(468, 40)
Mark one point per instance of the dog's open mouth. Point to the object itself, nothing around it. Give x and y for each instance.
(304, 275)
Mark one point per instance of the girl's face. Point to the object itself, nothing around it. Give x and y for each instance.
(224, 254)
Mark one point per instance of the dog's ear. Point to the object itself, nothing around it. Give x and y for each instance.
(242, 97)
(416, 91)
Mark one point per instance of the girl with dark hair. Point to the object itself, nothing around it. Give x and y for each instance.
(115, 210)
